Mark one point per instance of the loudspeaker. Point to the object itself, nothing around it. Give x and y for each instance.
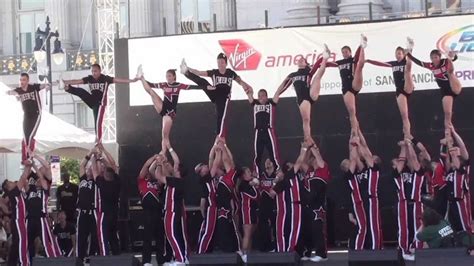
(121, 260)
(437, 257)
(272, 258)
(214, 259)
(386, 257)
(60, 261)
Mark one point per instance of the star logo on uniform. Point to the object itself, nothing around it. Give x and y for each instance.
(222, 213)
(319, 214)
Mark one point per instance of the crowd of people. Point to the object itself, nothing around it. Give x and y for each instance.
(283, 204)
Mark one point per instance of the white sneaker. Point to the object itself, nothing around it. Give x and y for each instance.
(147, 264)
(410, 44)
(408, 257)
(318, 259)
(139, 71)
(305, 258)
(244, 258)
(326, 52)
(183, 67)
(363, 40)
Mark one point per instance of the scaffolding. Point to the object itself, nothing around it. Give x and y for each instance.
(108, 19)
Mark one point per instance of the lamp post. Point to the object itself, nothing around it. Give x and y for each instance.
(40, 54)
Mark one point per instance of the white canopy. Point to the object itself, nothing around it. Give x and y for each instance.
(54, 136)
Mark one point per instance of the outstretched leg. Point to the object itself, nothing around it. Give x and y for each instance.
(316, 83)
(165, 132)
(402, 102)
(409, 85)
(349, 101)
(454, 82)
(448, 111)
(157, 101)
(305, 111)
(359, 65)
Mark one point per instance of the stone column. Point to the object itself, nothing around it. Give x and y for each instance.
(57, 10)
(140, 18)
(348, 8)
(225, 14)
(305, 12)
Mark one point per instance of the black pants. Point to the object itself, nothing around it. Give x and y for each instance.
(305, 240)
(154, 230)
(110, 219)
(221, 103)
(226, 238)
(440, 201)
(86, 226)
(266, 224)
(38, 227)
(265, 139)
(97, 109)
(31, 123)
(18, 252)
(318, 232)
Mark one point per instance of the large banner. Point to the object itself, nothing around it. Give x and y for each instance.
(263, 58)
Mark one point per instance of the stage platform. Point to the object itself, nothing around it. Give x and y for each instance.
(388, 257)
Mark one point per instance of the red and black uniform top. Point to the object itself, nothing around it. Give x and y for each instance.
(248, 196)
(171, 93)
(411, 185)
(290, 187)
(457, 181)
(17, 204)
(209, 190)
(108, 193)
(301, 81)
(263, 114)
(266, 184)
(174, 195)
(225, 195)
(315, 183)
(222, 83)
(150, 191)
(440, 71)
(36, 199)
(398, 70)
(86, 200)
(346, 70)
(30, 99)
(98, 87)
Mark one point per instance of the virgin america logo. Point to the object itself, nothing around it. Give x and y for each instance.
(242, 56)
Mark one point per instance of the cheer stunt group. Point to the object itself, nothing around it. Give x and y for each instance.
(283, 205)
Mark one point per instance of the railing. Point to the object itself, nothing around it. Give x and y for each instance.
(16, 64)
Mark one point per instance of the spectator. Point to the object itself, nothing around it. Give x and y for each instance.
(66, 196)
(435, 231)
(66, 235)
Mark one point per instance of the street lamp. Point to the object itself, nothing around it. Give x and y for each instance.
(40, 54)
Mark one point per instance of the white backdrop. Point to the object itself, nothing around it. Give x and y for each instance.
(264, 58)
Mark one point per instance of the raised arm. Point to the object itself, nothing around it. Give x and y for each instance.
(124, 81)
(412, 160)
(47, 167)
(250, 97)
(217, 161)
(378, 63)
(94, 167)
(176, 161)
(73, 82)
(23, 182)
(301, 157)
(364, 150)
(402, 157)
(282, 88)
(461, 145)
(198, 72)
(245, 85)
(82, 166)
(227, 158)
(145, 167)
(41, 177)
(353, 155)
(159, 171)
(318, 159)
(423, 151)
(417, 61)
(109, 159)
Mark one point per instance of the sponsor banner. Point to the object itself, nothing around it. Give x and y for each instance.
(263, 58)
(55, 162)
